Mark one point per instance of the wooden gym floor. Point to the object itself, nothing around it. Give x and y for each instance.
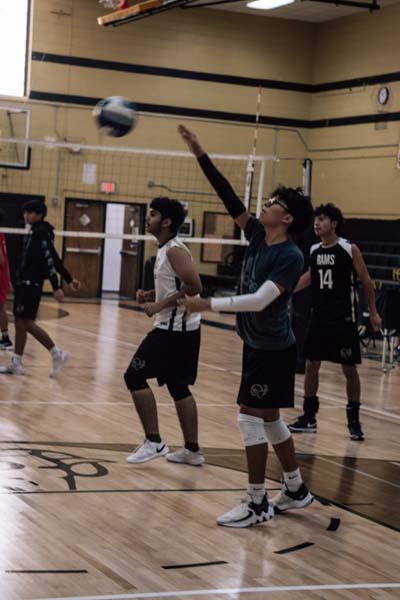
(79, 522)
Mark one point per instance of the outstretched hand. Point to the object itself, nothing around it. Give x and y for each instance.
(191, 140)
(194, 304)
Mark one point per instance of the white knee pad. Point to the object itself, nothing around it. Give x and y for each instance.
(277, 432)
(252, 430)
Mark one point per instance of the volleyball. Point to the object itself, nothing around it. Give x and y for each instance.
(115, 116)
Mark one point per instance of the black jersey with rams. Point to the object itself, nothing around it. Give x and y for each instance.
(333, 281)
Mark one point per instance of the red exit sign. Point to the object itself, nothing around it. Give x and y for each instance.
(108, 187)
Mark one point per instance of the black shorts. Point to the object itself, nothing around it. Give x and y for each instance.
(267, 378)
(338, 343)
(26, 300)
(169, 356)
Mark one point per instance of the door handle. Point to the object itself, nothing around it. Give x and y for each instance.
(84, 250)
(128, 253)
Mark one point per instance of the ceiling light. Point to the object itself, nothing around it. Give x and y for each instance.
(268, 4)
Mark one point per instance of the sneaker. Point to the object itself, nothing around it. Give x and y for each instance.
(148, 451)
(183, 455)
(59, 362)
(247, 513)
(13, 368)
(287, 500)
(355, 432)
(304, 424)
(6, 344)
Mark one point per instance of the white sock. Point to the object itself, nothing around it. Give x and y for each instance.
(293, 480)
(55, 352)
(16, 359)
(256, 491)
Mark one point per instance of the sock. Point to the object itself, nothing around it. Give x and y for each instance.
(192, 447)
(293, 480)
(16, 359)
(55, 351)
(154, 437)
(256, 491)
(5, 336)
(353, 412)
(310, 406)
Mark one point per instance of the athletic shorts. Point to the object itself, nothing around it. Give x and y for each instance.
(267, 378)
(26, 300)
(337, 343)
(168, 356)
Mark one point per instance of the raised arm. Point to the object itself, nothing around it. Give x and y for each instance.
(363, 274)
(221, 185)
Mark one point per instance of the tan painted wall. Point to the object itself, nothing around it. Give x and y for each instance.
(363, 181)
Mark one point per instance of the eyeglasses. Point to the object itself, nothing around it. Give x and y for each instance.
(280, 203)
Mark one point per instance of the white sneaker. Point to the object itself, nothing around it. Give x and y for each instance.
(59, 362)
(247, 513)
(13, 368)
(148, 451)
(287, 500)
(183, 455)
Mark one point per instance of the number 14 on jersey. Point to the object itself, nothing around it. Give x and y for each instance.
(325, 279)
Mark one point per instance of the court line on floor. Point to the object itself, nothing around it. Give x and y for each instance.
(223, 369)
(249, 590)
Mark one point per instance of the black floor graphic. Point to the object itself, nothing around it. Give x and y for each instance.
(366, 487)
(191, 565)
(52, 572)
(294, 548)
(333, 525)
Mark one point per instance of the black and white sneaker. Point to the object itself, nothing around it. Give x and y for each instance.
(287, 500)
(355, 432)
(247, 513)
(304, 424)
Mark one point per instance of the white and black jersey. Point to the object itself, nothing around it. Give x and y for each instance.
(333, 282)
(167, 283)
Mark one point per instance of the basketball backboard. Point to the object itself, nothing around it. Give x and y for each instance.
(14, 123)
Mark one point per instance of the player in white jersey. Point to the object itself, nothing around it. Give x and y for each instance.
(332, 333)
(170, 352)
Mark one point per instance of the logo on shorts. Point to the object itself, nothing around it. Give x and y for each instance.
(346, 352)
(259, 390)
(138, 364)
(19, 309)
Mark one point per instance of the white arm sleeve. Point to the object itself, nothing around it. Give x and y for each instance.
(256, 302)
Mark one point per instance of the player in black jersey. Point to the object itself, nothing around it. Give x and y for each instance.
(271, 269)
(332, 333)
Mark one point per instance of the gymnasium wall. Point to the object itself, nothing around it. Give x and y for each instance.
(361, 177)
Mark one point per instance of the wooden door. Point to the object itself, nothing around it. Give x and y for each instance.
(83, 256)
(131, 253)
